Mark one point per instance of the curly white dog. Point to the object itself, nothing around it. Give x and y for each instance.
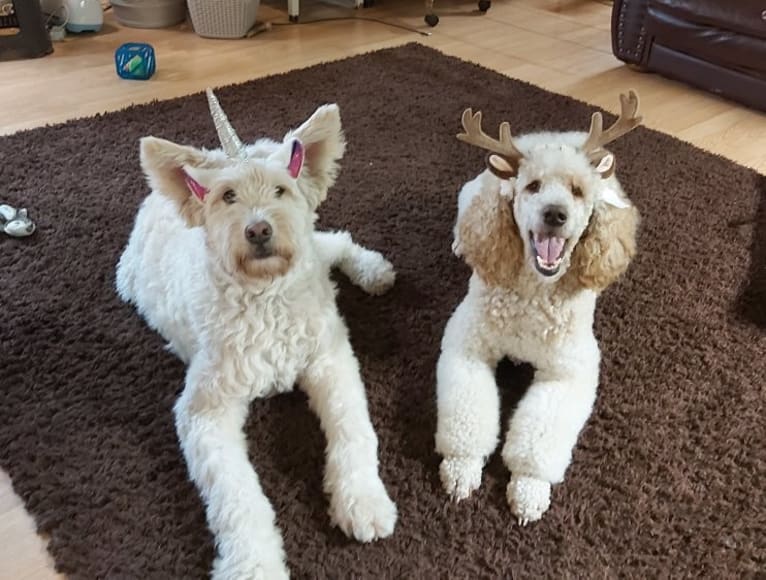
(224, 263)
(546, 228)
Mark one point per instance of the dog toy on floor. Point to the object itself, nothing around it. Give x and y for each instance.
(15, 222)
(135, 61)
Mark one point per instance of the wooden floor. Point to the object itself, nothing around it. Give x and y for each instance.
(561, 45)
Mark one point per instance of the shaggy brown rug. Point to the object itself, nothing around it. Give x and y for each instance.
(668, 479)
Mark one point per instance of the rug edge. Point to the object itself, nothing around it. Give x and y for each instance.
(411, 44)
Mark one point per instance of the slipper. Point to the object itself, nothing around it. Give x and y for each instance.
(14, 222)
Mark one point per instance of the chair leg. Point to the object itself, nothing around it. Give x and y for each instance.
(431, 18)
(293, 9)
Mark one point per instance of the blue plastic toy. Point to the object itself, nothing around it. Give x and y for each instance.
(135, 61)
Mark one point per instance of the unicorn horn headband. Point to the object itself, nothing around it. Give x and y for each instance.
(230, 142)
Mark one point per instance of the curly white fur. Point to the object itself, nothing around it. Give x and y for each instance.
(515, 308)
(245, 337)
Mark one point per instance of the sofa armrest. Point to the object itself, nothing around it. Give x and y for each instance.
(629, 38)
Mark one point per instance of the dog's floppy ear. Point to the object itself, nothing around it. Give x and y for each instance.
(312, 152)
(606, 248)
(176, 171)
(489, 238)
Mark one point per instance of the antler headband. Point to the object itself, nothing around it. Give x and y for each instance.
(504, 156)
(628, 120)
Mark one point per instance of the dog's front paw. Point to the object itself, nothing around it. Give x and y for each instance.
(529, 498)
(251, 569)
(375, 274)
(364, 512)
(461, 476)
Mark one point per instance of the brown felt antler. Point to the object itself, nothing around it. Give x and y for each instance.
(628, 120)
(504, 157)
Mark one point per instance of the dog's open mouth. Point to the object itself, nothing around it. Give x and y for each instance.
(548, 252)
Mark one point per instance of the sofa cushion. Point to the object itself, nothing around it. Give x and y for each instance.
(743, 16)
(676, 26)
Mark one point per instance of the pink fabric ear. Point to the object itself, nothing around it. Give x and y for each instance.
(296, 160)
(199, 190)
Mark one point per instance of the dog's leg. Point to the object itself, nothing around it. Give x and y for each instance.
(359, 503)
(468, 409)
(541, 435)
(209, 424)
(365, 268)
(125, 274)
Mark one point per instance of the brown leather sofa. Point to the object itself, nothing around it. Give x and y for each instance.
(716, 45)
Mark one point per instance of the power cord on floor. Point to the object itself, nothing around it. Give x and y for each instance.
(367, 18)
(56, 24)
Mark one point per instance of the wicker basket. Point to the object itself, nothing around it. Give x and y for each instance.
(223, 18)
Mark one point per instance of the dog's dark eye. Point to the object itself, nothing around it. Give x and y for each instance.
(279, 191)
(577, 191)
(229, 197)
(533, 186)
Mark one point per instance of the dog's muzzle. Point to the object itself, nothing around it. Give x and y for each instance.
(259, 235)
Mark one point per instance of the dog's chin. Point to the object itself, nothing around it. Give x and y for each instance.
(261, 263)
(548, 253)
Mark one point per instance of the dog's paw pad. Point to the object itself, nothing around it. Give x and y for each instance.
(366, 515)
(529, 498)
(461, 476)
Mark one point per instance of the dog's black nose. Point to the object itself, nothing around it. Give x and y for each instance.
(259, 232)
(554, 216)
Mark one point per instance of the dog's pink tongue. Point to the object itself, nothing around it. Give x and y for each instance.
(549, 248)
